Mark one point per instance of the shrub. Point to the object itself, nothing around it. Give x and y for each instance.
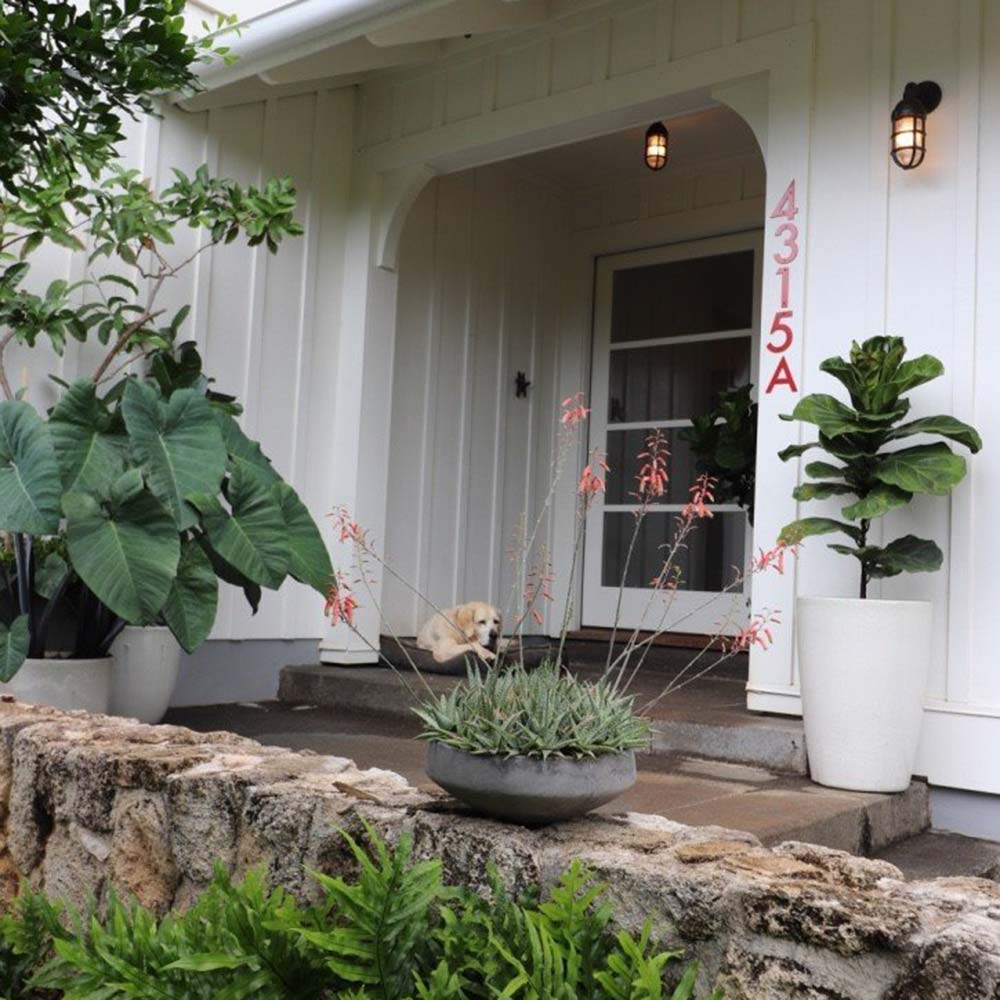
(395, 932)
(540, 713)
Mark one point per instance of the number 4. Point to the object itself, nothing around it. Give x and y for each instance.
(786, 208)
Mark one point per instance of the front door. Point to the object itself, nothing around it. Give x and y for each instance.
(673, 326)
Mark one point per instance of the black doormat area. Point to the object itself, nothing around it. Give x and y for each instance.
(400, 653)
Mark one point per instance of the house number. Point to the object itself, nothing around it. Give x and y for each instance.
(782, 333)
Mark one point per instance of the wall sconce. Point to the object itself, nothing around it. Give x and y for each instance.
(908, 141)
(656, 146)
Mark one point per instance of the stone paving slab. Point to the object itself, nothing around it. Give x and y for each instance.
(773, 807)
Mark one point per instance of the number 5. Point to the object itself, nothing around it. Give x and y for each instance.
(778, 325)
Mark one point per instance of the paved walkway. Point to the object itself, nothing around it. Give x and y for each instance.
(773, 806)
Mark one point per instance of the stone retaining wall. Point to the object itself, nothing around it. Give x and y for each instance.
(89, 803)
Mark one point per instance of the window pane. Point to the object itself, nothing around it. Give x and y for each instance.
(698, 295)
(712, 555)
(674, 382)
(624, 448)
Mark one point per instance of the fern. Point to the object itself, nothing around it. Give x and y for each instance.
(381, 920)
(27, 934)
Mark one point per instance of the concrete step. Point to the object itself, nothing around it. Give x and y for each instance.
(707, 718)
(774, 807)
(934, 854)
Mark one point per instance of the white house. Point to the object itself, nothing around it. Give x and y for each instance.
(471, 181)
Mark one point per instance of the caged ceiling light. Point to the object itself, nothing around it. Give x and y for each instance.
(908, 139)
(657, 138)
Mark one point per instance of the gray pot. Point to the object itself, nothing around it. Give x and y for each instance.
(528, 790)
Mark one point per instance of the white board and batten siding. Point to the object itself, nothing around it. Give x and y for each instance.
(260, 321)
(882, 250)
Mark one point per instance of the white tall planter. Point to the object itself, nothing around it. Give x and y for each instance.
(63, 683)
(147, 660)
(863, 666)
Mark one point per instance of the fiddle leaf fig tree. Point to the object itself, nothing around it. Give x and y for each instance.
(873, 466)
(137, 491)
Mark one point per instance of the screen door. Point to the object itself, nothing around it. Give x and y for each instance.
(673, 326)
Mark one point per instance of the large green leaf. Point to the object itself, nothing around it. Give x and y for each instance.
(808, 526)
(90, 444)
(829, 414)
(916, 372)
(49, 576)
(820, 491)
(125, 550)
(242, 450)
(226, 573)
(794, 450)
(29, 472)
(824, 470)
(178, 442)
(309, 560)
(928, 468)
(191, 604)
(948, 427)
(908, 554)
(14, 643)
(252, 537)
(879, 501)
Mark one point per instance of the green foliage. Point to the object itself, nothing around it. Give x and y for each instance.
(545, 712)
(145, 484)
(879, 477)
(724, 443)
(72, 71)
(154, 508)
(393, 933)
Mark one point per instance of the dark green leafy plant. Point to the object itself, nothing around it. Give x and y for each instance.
(724, 443)
(139, 491)
(394, 933)
(70, 73)
(542, 713)
(874, 471)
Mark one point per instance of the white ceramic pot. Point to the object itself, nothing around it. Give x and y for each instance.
(63, 683)
(863, 669)
(147, 660)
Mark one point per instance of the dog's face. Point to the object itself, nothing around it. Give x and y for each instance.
(479, 623)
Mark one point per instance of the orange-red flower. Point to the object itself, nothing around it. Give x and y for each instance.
(340, 604)
(701, 495)
(574, 410)
(590, 482)
(653, 478)
(757, 632)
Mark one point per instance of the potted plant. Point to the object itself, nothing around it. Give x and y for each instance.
(545, 744)
(863, 662)
(533, 746)
(129, 499)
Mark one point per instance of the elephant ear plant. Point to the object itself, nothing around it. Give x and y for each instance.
(877, 467)
(138, 490)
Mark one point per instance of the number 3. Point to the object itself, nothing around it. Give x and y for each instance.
(791, 233)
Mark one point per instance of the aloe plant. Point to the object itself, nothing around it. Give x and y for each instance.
(874, 471)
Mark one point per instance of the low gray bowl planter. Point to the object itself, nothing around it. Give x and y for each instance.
(528, 790)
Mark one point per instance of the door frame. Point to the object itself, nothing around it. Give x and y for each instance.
(692, 611)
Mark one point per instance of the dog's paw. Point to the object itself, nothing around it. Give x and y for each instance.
(486, 655)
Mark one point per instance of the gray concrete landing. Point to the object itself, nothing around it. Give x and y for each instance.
(707, 718)
(698, 792)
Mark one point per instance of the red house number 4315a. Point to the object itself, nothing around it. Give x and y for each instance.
(781, 336)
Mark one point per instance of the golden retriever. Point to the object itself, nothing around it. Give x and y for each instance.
(473, 627)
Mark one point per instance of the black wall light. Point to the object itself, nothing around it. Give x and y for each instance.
(908, 140)
(657, 138)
